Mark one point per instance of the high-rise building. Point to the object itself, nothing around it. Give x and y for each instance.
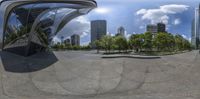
(161, 27)
(121, 31)
(98, 29)
(193, 36)
(152, 28)
(75, 40)
(196, 28)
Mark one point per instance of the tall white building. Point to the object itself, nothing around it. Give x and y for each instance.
(193, 36)
(195, 29)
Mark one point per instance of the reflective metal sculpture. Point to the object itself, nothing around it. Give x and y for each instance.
(30, 25)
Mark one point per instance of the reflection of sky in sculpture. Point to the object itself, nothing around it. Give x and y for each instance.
(23, 21)
(14, 22)
(29, 26)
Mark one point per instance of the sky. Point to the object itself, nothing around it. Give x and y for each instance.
(134, 15)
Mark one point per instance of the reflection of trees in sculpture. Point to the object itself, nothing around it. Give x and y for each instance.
(42, 36)
(13, 37)
(26, 19)
(32, 24)
(43, 31)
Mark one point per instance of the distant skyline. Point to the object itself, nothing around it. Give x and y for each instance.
(134, 15)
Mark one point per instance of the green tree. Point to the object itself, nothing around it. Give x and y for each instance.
(137, 41)
(179, 42)
(121, 43)
(170, 42)
(186, 45)
(107, 43)
(97, 44)
(163, 41)
(148, 41)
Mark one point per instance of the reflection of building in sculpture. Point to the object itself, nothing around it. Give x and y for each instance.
(67, 41)
(75, 40)
(30, 25)
(62, 39)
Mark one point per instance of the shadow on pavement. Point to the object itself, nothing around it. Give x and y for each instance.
(19, 64)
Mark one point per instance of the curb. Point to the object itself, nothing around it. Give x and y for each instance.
(138, 57)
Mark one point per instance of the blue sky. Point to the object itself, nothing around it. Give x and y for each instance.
(134, 15)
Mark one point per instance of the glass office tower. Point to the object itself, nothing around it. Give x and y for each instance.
(30, 25)
(98, 29)
(196, 29)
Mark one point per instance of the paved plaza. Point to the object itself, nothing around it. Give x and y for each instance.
(86, 75)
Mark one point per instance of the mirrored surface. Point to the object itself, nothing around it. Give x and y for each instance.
(30, 28)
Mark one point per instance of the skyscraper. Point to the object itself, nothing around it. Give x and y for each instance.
(197, 26)
(152, 29)
(195, 29)
(193, 35)
(75, 40)
(98, 29)
(121, 31)
(161, 27)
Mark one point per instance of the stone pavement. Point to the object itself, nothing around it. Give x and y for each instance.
(85, 75)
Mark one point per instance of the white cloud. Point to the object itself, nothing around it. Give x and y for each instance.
(128, 36)
(190, 39)
(80, 26)
(141, 27)
(184, 36)
(102, 10)
(164, 19)
(85, 43)
(84, 34)
(141, 11)
(56, 39)
(162, 13)
(177, 22)
(82, 20)
(112, 34)
(174, 8)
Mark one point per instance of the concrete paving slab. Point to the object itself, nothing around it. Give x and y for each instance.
(85, 75)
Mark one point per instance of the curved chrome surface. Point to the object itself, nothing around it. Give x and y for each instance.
(33, 29)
